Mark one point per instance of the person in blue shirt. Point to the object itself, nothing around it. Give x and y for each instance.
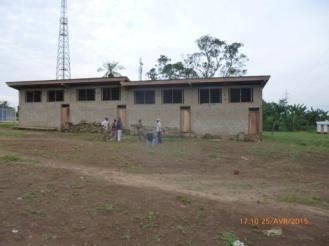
(119, 130)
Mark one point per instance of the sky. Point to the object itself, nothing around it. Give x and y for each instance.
(287, 39)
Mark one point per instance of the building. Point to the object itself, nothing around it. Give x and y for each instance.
(7, 113)
(322, 126)
(218, 106)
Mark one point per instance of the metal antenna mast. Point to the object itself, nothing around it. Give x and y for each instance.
(63, 69)
(140, 70)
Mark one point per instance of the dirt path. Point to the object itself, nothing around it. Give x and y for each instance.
(164, 182)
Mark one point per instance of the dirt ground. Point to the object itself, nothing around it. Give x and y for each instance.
(74, 189)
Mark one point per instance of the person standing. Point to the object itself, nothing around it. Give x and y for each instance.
(158, 129)
(105, 128)
(114, 129)
(119, 129)
(140, 130)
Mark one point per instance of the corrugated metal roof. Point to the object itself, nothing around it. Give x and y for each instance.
(125, 82)
(82, 81)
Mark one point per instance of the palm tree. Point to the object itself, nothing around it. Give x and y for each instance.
(111, 69)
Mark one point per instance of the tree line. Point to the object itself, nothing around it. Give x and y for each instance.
(282, 116)
(213, 57)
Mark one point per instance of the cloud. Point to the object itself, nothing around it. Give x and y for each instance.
(286, 39)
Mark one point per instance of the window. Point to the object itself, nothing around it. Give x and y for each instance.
(235, 95)
(56, 96)
(241, 95)
(246, 95)
(33, 96)
(86, 94)
(212, 95)
(144, 97)
(173, 96)
(111, 94)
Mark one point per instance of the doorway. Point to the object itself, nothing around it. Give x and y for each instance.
(254, 121)
(65, 115)
(185, 119)
(121, 111)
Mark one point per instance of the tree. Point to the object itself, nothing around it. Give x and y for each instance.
(166, 70)
(152, 74)
(208, 60)
(4, 104)
(214, 56)
(296, 119)
(273, 113)
(111, 69)
(234, 61)
(315, 115)
(282, 116)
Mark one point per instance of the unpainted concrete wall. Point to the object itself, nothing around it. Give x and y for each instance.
(218, 119)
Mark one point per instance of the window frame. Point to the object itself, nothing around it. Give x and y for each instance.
(86, 99)
(144, 97)
(240, 96)
(209, 89)
(55, 91)
(110, 93)
(33, 96)
(172, 95)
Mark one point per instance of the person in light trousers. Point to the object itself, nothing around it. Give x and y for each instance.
(119, 130)
(158, 130)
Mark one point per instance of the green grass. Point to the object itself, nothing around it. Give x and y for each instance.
(148, 220)
(102, 209)
(307, 140)
(184, 200)
(8, 132)
(302, 199)
(290, 144)
(31, 195)
(227, 238)
(134, 168)
(11, 158)
(214, 156)
(9, 124)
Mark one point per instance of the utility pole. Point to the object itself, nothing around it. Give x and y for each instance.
(63, 69)
(140, 69)
(286, 95)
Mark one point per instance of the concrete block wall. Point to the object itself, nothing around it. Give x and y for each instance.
(218, 119)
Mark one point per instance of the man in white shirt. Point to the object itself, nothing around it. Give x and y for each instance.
(158, 129)
(105, 128)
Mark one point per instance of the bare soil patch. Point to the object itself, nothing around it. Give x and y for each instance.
(74, 189)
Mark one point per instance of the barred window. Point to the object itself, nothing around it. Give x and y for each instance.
(56, 96)
(86, 94)
(210, 95)
(241, 95)
(145, 97)
(33, 96)
(111, 94)
(172, 96)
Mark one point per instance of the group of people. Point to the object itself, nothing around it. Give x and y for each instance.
(152, 138)
(114, 132)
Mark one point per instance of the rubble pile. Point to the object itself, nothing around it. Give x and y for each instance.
(83, 126)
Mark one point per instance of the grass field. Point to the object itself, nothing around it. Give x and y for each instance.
(74, 189)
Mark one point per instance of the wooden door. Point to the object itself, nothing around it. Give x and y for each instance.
(65, 115)
(254, 121)
(122, 115)
(185, 119)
